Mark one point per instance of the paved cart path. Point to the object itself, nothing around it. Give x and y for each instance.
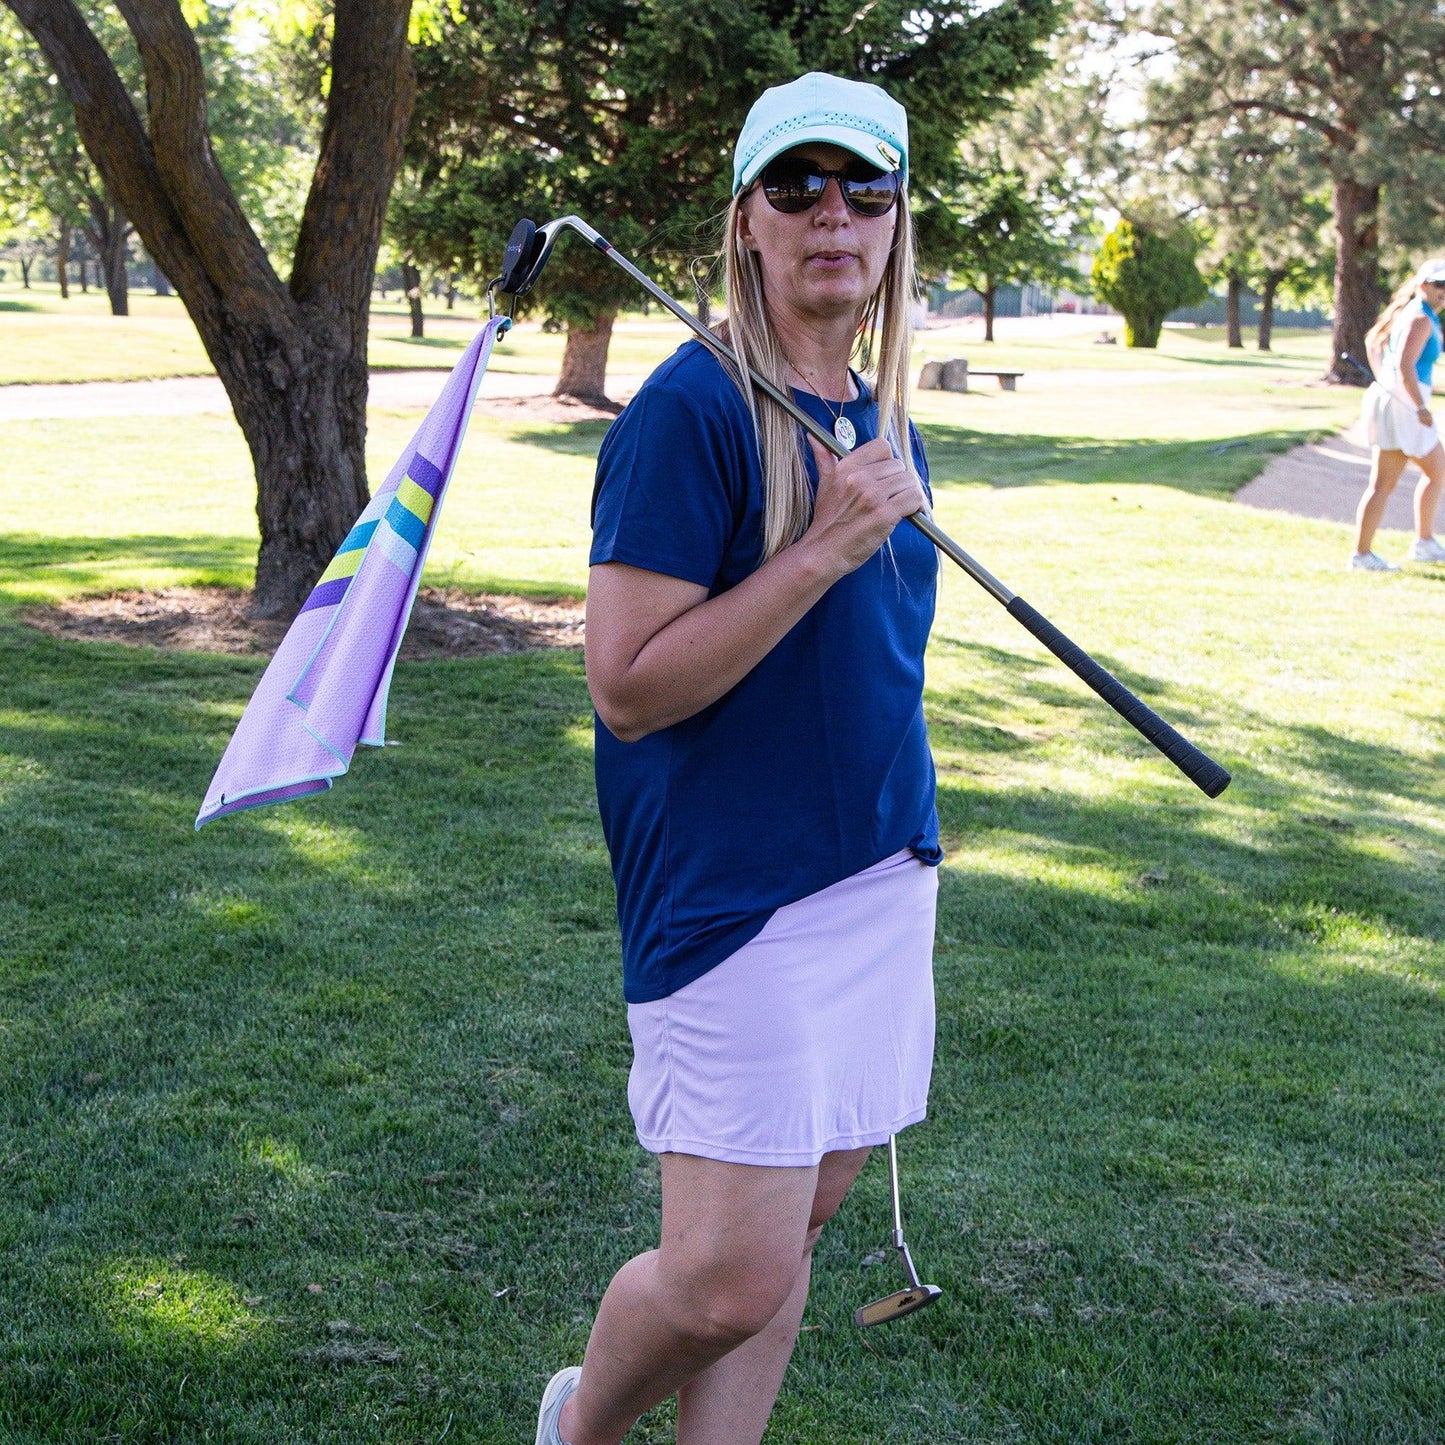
(1325, 480)
(193, 395)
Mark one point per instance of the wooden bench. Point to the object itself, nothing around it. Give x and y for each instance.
(953, 375)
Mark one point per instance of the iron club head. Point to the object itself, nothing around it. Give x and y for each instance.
(520, 259)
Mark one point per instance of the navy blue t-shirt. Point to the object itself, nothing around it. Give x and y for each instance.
(816, 765)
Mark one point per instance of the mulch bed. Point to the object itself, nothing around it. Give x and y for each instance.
(444, 622)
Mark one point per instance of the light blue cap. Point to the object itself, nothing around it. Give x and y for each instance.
(822, 108)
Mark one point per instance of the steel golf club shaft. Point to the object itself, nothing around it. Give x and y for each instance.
(527, 253)
(904, 1301)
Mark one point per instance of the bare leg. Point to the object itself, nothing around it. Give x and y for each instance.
(729, 1402)
(1385, 471)
(732, 1236)
(1427, 493)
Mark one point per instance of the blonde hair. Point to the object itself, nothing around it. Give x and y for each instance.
(883, 347)
(1379, 334)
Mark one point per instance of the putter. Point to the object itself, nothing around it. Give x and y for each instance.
(528, 248)
(904, 1301)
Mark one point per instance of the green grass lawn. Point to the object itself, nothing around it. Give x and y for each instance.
(313, 1125)
(44, 339)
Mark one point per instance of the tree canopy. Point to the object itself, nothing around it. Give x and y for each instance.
(999, 228)
(292, 354)
(1358, 88)
(626, 114)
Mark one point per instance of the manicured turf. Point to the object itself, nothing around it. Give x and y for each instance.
(44, 339)
(1182, 1176)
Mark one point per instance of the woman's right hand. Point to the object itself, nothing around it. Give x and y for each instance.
(861, 498)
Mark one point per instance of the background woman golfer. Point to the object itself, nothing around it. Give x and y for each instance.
(756, 660)
(1403, 345)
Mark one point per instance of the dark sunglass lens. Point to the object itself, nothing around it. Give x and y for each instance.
(792, 187)
(873, 196)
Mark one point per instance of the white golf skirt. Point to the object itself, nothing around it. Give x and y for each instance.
(815, 1036)
(1391, 424)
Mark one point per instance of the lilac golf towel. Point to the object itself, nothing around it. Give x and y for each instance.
(325, 690)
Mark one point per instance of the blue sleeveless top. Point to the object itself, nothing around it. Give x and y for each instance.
(1425, 365)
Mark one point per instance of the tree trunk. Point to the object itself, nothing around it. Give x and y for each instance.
(990, 296)
(301, 404)
(117, 284)
(162, 285)
(24, 274)
(1358, 292)
(109, 232)
(584, 362)
(84, 275)
(62, 260)
(1233, 292)
(411, 281)
(1142, 329)
(1272, 281)
(292, 355)
(451, 293)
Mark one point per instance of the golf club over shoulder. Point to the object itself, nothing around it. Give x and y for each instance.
(528, 249)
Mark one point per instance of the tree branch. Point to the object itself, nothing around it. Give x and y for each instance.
(176, 101)
(114, 137)
(372, 90)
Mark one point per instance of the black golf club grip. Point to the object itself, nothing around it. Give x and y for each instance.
(1198, 767)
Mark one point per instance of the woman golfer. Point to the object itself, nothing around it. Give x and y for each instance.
(756, 620)
(1403, 346)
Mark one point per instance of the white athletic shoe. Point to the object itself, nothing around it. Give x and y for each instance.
(1427, 551)
(1370, 562)
(560, 1388)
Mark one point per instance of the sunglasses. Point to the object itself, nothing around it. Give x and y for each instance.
(792, 185)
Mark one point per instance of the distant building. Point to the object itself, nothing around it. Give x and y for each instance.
(1030, 299)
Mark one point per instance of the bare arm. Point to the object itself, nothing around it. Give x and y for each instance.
(1409, 355)
(660, 650)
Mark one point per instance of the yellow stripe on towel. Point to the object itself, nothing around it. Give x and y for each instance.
(343, 564)
(416, 501)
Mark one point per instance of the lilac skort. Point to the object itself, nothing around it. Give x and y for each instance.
(815, 1036)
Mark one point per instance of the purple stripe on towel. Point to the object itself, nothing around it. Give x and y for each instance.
(327, 594)
(425, 475)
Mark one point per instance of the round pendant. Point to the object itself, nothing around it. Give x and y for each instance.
(843, 430)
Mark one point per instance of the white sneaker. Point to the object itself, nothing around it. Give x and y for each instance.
(560, 1388)
(1370, 562)
(1427, 551)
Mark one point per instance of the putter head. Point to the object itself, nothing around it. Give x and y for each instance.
(895, 1306)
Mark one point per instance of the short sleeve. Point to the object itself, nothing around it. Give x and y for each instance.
(666, 480)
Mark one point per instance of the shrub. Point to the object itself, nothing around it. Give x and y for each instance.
(1144, 275)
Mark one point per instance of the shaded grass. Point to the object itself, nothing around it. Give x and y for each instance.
(1216, 468)
(1181, 1181)
(1182, 1172)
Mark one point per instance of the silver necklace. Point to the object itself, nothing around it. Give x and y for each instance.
(843, 429)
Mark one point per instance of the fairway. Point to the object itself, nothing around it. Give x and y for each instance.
(45, 339)
(313, 1125)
